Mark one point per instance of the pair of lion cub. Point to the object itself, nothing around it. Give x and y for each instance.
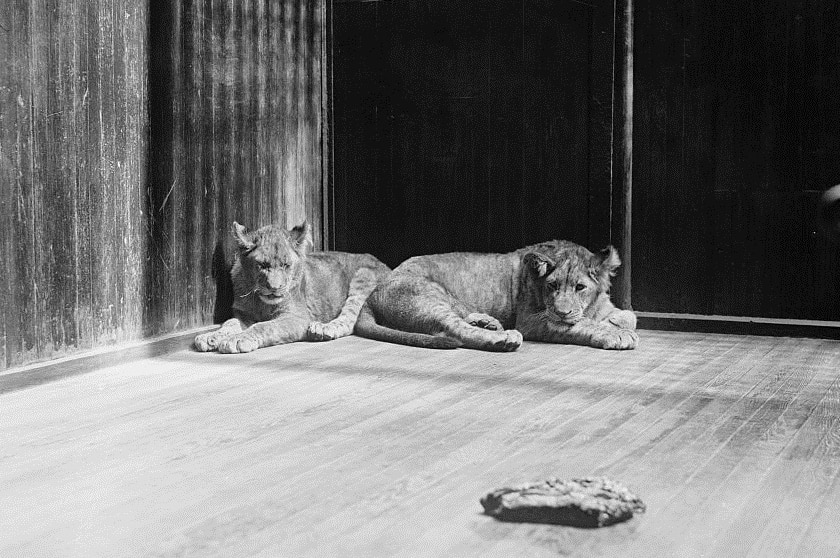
(555, 291)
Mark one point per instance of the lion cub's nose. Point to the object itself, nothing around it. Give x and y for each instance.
(563, 308)
(275, 282)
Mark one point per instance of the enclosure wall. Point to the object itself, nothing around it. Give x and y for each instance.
(131, 135)
(235, 101)
(736, 135)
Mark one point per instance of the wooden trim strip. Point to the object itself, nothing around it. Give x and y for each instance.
(59, 369)
(741, 325)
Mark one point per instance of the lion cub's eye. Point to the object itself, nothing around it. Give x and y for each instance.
(264, 265)
(580, 287)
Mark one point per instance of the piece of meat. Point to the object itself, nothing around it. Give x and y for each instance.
(585, 502)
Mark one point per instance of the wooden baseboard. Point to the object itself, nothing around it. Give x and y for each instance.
(739, 325)
(44, 372)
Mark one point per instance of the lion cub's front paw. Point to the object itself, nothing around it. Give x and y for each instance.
(511, 340)
(484, 321)
(318, 331)
(209, 341)
(623, 319)
(238, 344)
(618, 339)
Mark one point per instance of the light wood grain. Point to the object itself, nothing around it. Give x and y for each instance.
(358, 448)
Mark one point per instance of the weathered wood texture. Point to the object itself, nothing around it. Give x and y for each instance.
(104, 239)
(73, 135)
(236, 124)
(471, 125)
(366, 449)
(736, 134)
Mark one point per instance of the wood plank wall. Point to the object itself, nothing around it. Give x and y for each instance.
(72, 161)
(236, 121)
(108, 231)
(737, 131)
(471, 125)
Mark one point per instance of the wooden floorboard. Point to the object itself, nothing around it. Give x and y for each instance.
(359, 448)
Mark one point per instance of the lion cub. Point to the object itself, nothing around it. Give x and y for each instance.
(555, 292)
(282, 292)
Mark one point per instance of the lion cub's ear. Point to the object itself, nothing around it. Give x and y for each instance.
(241, 236)
(607, 262)
(538, 264)
(301, 237)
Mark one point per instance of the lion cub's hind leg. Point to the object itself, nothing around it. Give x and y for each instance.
(476, 331)
(362, 284)
(209, 341)
(441, 312)
(416, 304)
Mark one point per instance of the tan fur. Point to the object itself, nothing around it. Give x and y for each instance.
(554, 292)
(282, 292)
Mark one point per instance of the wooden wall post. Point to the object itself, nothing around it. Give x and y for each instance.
(623, 149)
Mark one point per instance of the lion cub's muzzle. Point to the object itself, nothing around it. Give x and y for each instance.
(563, 310)
(273, 288)
(564, 314)
(273, 296)
(564, 319)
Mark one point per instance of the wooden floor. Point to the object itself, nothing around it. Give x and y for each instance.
(359, 448)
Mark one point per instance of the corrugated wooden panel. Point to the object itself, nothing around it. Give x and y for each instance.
(73, 110)
(131, 135)
(236, 126)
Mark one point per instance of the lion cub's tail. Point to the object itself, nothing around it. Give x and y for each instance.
(366, 326)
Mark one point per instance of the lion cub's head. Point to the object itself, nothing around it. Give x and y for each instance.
(566, 280)
(270, 261)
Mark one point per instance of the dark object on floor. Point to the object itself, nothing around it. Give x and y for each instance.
(586, 502)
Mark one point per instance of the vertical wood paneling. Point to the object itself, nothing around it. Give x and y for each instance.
(194, 226)
(10, 174)
(236, 132)
(556, 122)
(108, 265)
(73, 85)
(736, 136)
(41, 183)
(106, 237)
(98, 236)
(8, 125)
(471, 125)
(357, 90)
(82, 203)
(505, 105)
(65, 277)
(622, 191)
